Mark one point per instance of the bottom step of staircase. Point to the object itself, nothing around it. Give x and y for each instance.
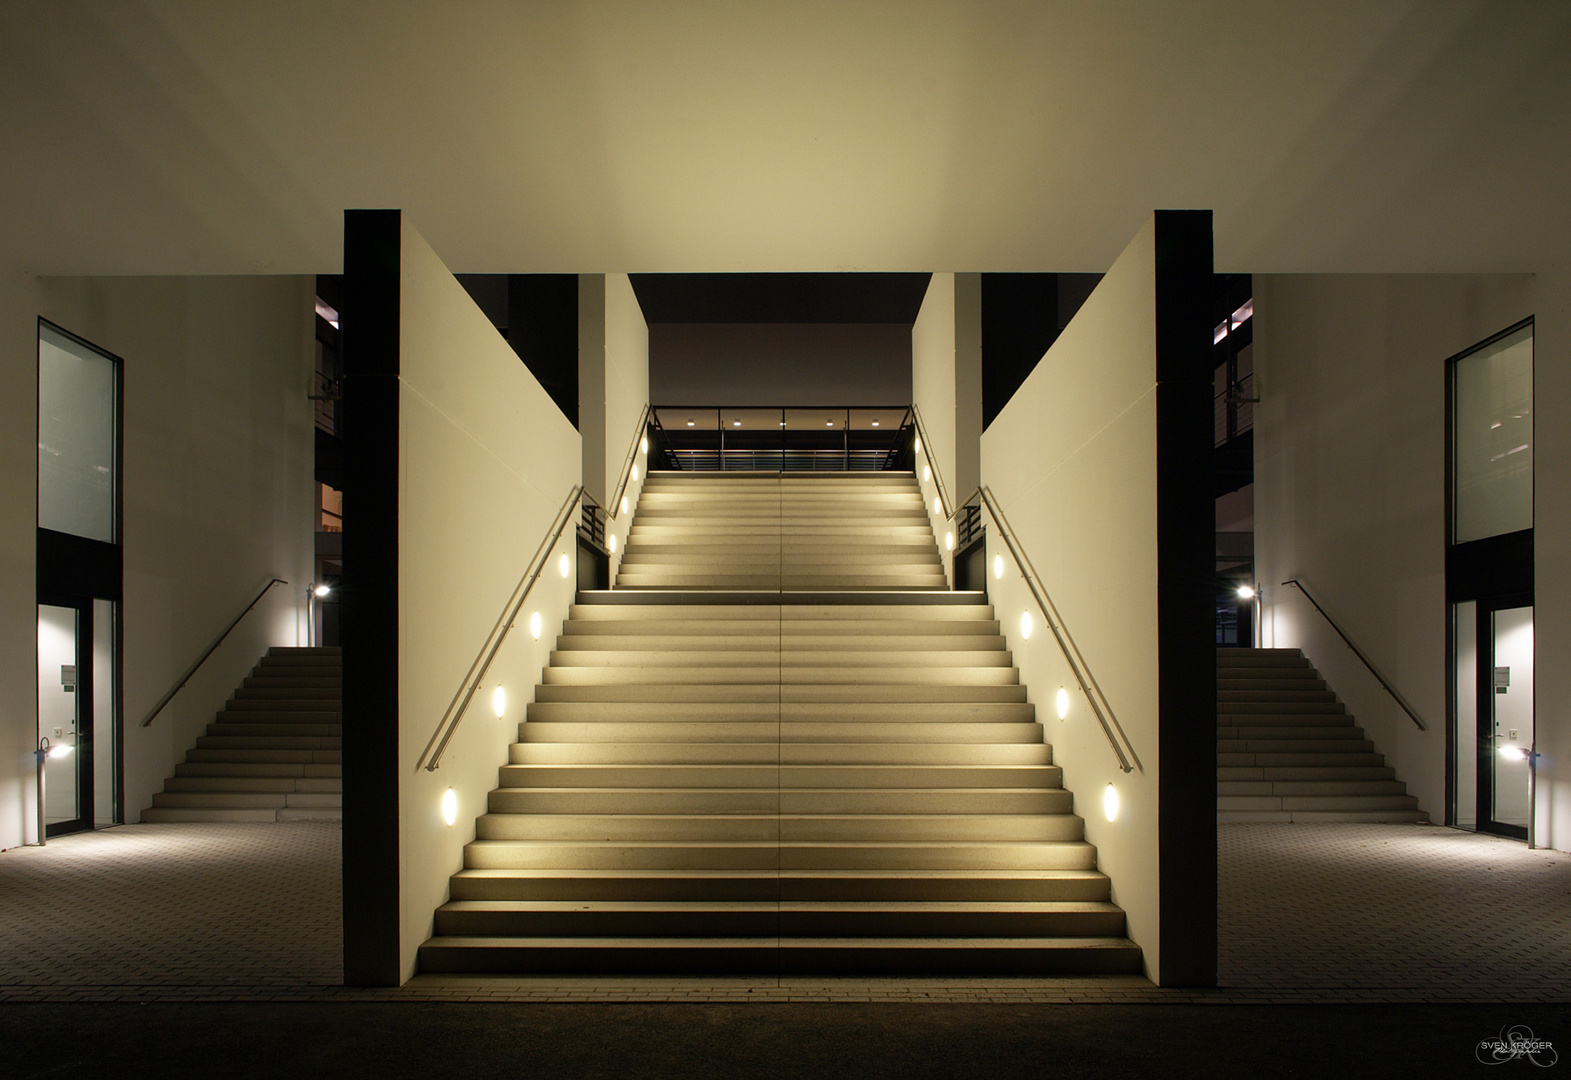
(797, 956)
(210, 813)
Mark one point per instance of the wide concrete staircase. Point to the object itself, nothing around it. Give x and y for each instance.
(1287, 750)
(826, 531)
(272, 754)
(714, 781)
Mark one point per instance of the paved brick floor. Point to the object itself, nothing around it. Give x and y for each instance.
(1309, 914)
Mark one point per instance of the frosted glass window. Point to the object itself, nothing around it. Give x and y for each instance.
(76, 438)
(1492, 433)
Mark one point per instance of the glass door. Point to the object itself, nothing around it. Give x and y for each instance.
(65, 716)
(1507, 742)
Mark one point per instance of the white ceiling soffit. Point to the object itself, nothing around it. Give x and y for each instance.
(198, 136)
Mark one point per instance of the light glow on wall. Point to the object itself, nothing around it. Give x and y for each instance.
(1025, 625)
(1062, 702)
(534, 627)
(998, 567)
(643, 445)
(927, 473)
(624, 502)
(1110, 802)
(610, 542)
(938, 507)
(635, 472)
(449, 806)
(949, 541)
(916, 447)
(564, 565)
(499, 702)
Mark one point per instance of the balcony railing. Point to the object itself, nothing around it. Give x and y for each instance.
(781, 439)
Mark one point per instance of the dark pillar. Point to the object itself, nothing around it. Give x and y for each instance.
(1186, 649)
(369, 320)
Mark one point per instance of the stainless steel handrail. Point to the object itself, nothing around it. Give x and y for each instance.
(627, 464)
(1381, 679)
(927, 451)
(1066, 643)
(190, 671)
(448, 724)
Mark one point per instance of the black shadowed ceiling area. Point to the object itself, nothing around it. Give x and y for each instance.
(780, 298)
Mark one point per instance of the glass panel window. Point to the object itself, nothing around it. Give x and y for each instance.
(1492, 448)
(76, 437)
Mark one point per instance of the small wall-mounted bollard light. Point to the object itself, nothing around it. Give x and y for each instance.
(927, 474)
(535, 625)
(1062, 702)
(938, 507)
(643, 445)
(564, 565)
(610, 542)
(44, 752)
(1110, 802)
(635, 479)
(499, 702)
(314, 595)
(1025, 625)
(916, 445)
(949, 541)
(450, 806)
(624, 502)
(998, 567)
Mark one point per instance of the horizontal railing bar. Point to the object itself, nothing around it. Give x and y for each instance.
(190, 671)
(456, 710)
(1381, 679)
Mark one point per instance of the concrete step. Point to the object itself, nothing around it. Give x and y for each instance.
(1321, 816)
(782, 885)
(779, 855)
(718, 753)
(880, 956)
(784, 828)
(203, 813)
(742, 693)
(778, 732)
(241, 758)
(772, 776)
(219, 800)
(781, 712)
(1334, 803)
(1310, 787)
(1302, 760)
(1346, 772)
(770, 801)
(1279, 747)
(780, 673)
(235, 727)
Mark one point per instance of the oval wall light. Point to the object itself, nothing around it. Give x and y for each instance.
(449, 806)
(534, 626)
(1110, 802)
(564, 565)
(949, 541)
(643, 445)
(610, 542)
(635, 472)
(927, 473)
(1062, 702)
(998, 567)
(938, 507)
(916, 447)
(624, 501)
(1025, 625)
(499, 702)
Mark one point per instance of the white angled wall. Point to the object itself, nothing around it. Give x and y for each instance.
(1072, 462)
(1350, 451)
(946, 385)
(487, 461)
(626, 394)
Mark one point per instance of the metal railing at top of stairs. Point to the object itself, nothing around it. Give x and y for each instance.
(927, 451)
(200, 660)
(445, 727)
(1381, 679)
(1123, 749)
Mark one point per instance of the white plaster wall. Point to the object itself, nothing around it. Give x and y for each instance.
(1072, 463)
(1350, 485)
(626, 393)
(933, 391)
(18, 543)
(218, 465)
(1552, 554)
(487, 461)
(592, 383)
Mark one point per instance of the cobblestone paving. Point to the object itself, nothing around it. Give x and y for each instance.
(1309, 914)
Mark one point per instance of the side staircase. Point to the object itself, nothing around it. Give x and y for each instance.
(1287, 750)
(272, 754)
(762, 781)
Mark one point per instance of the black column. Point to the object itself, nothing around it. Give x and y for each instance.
(1186, 649)
(369, 616)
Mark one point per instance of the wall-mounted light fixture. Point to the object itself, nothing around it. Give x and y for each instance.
(322, 591)
(564, 565)
(927, 473)
(1110, 802)
(499, 702)
(624, 504)
(1025, 625)
(643, 445)
(938, 507)
(449, 806)
(534, 625)
(998, 567)
(635, 472)
(916, 445)
(1246, 592)
(610, 542)
(949, 541)
(1061, 702)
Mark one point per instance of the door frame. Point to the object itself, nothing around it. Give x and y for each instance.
(82, 755)
(1485, 653)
